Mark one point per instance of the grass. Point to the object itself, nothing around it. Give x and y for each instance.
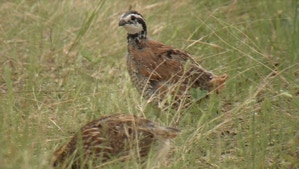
(63, 64)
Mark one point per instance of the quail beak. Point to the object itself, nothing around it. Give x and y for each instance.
(122, 22)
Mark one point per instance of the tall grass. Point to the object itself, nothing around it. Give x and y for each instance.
(63, 64)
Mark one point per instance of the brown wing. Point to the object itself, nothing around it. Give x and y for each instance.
(159, 63)
(152, 64)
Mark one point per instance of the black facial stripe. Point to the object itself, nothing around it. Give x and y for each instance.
(141, 21)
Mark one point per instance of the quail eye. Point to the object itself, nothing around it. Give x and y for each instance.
(133, 17)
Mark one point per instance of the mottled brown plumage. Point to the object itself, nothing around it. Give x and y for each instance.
(118, 136)
(159, 71)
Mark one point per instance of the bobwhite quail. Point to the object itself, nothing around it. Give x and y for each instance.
(116, 137)
(159, 71)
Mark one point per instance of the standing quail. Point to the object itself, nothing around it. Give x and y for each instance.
(113, 137)
(160, 72)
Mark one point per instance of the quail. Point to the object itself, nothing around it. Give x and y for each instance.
(163, 74)
(117, 136)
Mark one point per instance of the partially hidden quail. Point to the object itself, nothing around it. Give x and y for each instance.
(160, 72)
(114, 137)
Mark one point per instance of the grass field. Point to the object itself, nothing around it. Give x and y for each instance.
(63, 64)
